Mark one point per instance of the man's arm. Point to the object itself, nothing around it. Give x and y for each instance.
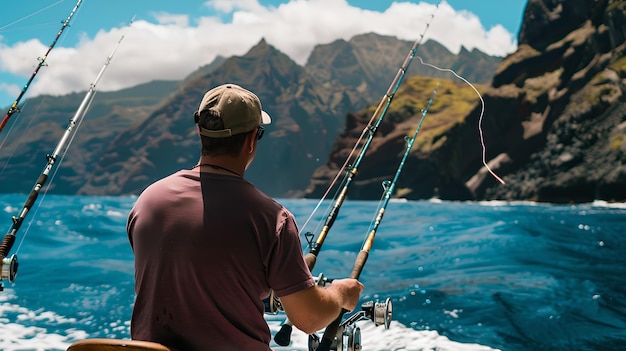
(315, 308)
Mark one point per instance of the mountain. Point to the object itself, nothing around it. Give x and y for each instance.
(554, 123)
(167, 140)
(29, 136)
(368, 62)
(132, 137)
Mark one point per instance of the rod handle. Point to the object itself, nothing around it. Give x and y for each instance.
(6, 245)
(359, 263)
(283, 336)
(331, 330)
(310, 260)
(330, 333)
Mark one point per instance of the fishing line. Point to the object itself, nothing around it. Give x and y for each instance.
(283, 336)
(334, 181)
(389, 185)
(9, 264)
(10, 131)
(326, 212)
(56, 170)
(480, 119)
(16, 144)
(42, 62)
(385, 185)
(333, 330)
(30, 15)
(376, 118)
(15, 108)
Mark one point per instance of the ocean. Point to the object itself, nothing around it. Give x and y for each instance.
(460, 275)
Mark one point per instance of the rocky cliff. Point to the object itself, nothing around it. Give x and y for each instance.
(553, 123)
(566, 86)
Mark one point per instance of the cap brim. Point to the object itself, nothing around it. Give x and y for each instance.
(265, 118)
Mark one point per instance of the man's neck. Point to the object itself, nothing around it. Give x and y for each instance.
(223, 165)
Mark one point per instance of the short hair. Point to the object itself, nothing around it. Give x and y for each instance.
(209, 119)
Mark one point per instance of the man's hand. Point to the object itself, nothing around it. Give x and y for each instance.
(350, 290)
(314, 308)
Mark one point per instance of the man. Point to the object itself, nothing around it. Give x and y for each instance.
(209, 246)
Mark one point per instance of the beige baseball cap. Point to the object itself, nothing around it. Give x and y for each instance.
(239, 108)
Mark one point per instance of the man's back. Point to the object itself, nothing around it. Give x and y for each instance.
(208, 248)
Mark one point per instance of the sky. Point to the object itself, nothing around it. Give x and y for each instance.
(170, 39)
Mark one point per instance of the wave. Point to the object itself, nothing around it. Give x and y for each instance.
(20, 336)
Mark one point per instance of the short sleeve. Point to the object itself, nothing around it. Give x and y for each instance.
(287, 271)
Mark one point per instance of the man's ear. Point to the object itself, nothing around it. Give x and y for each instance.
(250, 142)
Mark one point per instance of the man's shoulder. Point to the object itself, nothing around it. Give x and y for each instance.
(269, 202)
(163, 184)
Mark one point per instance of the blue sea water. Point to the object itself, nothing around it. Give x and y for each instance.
(461, 275)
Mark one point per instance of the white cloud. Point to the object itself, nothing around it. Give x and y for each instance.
(14, 90)
(167, 18)
(171, 48)
(228, 6)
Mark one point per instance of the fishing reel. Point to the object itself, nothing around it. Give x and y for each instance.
(348, 337)
(9, 269)
(272, 304)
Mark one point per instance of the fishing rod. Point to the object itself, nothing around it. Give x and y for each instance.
(8, 266)
(370, 130)
(42, 62)
(283, 336)
(333, 331)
